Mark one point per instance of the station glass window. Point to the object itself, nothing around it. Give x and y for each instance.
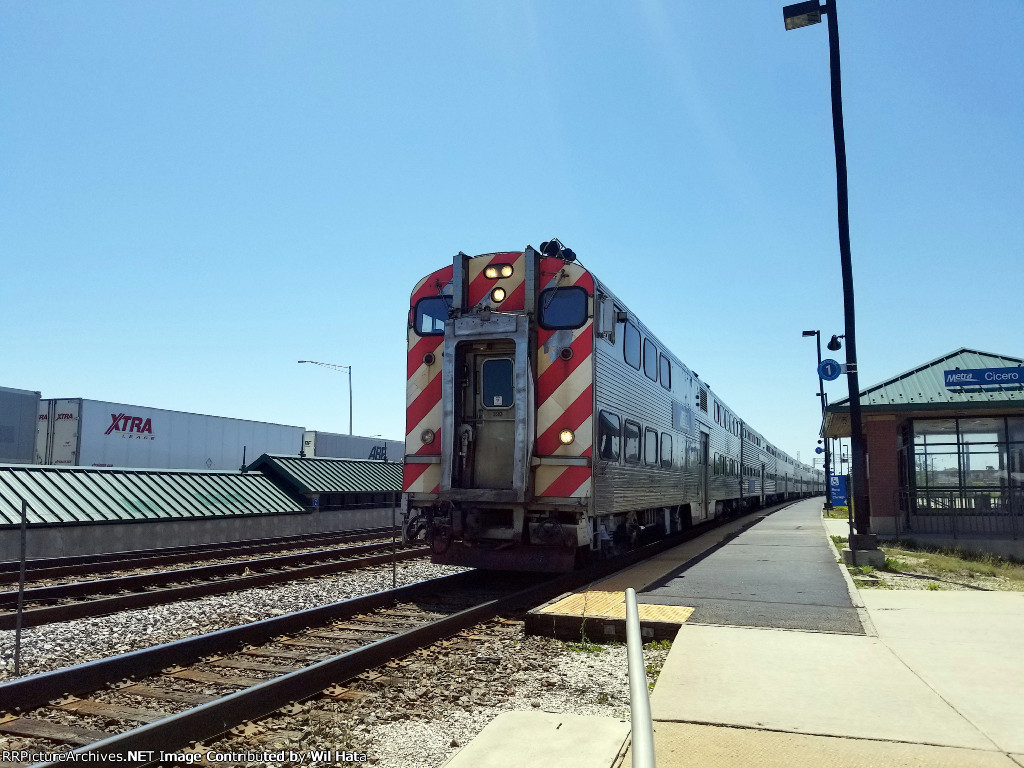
(631, 442)
(609, 436)
(497, 389)
(650, 360)
(666, 373)
(666, 450)
(631, 345)
(430, 315)
(651, 447)
(562, 308)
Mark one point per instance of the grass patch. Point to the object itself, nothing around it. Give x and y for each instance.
(949, 561)
(835, 514)
(585, 645)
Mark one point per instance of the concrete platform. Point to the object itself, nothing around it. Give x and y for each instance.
(598, 610)
(515, 739)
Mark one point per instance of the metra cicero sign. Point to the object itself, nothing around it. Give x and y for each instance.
(982, 377)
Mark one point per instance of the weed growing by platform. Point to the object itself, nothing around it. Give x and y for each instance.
(911, 566)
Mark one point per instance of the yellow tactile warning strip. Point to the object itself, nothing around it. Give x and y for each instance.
(612, 605)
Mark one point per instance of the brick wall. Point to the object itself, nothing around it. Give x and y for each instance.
(882, 444)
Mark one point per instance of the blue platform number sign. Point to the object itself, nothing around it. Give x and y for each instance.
(837, 489)
(829, 370)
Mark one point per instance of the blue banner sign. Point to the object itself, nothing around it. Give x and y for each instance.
(985, 377)
(837, 488)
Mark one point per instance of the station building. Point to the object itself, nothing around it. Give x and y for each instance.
(945, 452)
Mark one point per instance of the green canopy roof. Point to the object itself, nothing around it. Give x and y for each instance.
(923, 389)
(63, 495)
(314, 475)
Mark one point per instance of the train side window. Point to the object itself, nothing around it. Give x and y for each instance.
(650, 360)
(563, 308)
(631, 442)
(631, 345)
(666, 373)
(430, 315)
(651, 447)
(609, 438)
(666, 450)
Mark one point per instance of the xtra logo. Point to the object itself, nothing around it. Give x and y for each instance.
(120, 422)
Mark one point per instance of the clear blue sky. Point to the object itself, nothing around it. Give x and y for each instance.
(195, 195)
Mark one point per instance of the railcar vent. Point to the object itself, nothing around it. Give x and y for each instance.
(703, 399)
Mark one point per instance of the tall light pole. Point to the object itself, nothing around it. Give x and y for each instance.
(802, 15)
(821, 397)
(334, 367)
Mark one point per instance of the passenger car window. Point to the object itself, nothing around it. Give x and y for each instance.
(496, 388)
(609, 437)
(562, 308)
(651, 447)
(666, 373)
(666, 449)
(631, 443)
(631, 345)
(650, 360)
(431, 314)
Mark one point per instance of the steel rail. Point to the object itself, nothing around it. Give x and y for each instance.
(34, 617)
(178, 575)
(33, 691)
(219, 716)
(75, 564)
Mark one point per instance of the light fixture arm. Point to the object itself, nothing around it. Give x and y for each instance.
(336, 367)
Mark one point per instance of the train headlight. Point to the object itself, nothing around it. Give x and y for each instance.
(494, 271)
(427, 436)
(498, 295)
(566, 436)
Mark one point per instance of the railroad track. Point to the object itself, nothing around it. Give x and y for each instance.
(136, 707)
(195, 689)
(64, 602)
(157, 700)
(58, 567)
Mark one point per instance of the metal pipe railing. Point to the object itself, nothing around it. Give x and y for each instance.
(639, 700)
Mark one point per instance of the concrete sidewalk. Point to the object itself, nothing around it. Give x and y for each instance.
(938, 681)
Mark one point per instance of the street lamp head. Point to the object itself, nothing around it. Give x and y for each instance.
(834, 344)
(802, 14)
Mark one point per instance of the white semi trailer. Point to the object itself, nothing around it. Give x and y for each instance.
(333, 445)
(94, 433)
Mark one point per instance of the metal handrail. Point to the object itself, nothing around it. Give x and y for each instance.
(639, 701)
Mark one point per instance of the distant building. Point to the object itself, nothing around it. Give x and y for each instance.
(945, 451)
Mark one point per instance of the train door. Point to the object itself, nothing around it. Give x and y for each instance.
(762, 483)
(702, 475)
(485, 433)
